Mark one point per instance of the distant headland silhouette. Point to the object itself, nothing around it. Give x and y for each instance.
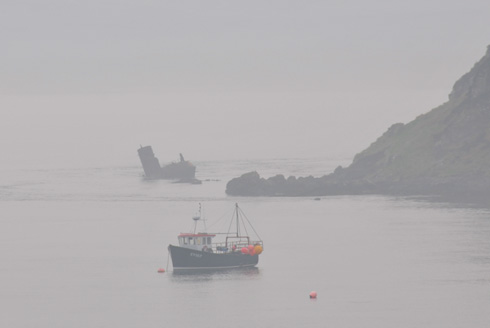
(443, 152)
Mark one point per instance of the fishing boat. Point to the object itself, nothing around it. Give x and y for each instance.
(235, 249)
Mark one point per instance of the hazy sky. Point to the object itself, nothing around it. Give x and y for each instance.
(84, 83)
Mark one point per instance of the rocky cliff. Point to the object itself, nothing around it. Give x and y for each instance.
(445, 151)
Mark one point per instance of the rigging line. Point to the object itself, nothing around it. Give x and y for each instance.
(246, 218)
(219, 219)
(243, 223)
(231, 221)
(244, 227)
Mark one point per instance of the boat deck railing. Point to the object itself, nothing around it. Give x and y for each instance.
(234, 246)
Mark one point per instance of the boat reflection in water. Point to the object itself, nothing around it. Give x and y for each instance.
(221, 274)
(198, 250)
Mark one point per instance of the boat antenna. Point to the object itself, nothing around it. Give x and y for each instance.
(197, 218)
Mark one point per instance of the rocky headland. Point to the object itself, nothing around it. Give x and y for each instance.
(443, 152)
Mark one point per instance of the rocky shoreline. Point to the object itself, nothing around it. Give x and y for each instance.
(251, 184)
(443, 152)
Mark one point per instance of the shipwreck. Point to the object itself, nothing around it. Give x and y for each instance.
(182, 171)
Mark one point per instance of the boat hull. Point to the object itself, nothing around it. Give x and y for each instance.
(190, 259)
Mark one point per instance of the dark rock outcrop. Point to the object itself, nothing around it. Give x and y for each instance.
(443, 152)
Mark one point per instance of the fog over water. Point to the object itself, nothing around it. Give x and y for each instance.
(291, 87)
(81, 248)
(83, 84)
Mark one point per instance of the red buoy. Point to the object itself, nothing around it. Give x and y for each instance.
(161, 270)
(313, 294)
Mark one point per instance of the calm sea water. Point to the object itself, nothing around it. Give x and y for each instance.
(81, 248)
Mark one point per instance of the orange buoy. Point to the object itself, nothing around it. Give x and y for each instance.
(161, 270)
(313, 294)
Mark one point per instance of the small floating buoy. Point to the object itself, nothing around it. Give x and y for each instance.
(161, 270)
(313, 294)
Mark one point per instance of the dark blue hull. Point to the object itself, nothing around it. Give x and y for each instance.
(189, 259)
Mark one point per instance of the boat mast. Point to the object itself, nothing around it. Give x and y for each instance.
(237, 221)
(203, 218)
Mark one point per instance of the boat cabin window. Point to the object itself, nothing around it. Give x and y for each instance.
(195, 240)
